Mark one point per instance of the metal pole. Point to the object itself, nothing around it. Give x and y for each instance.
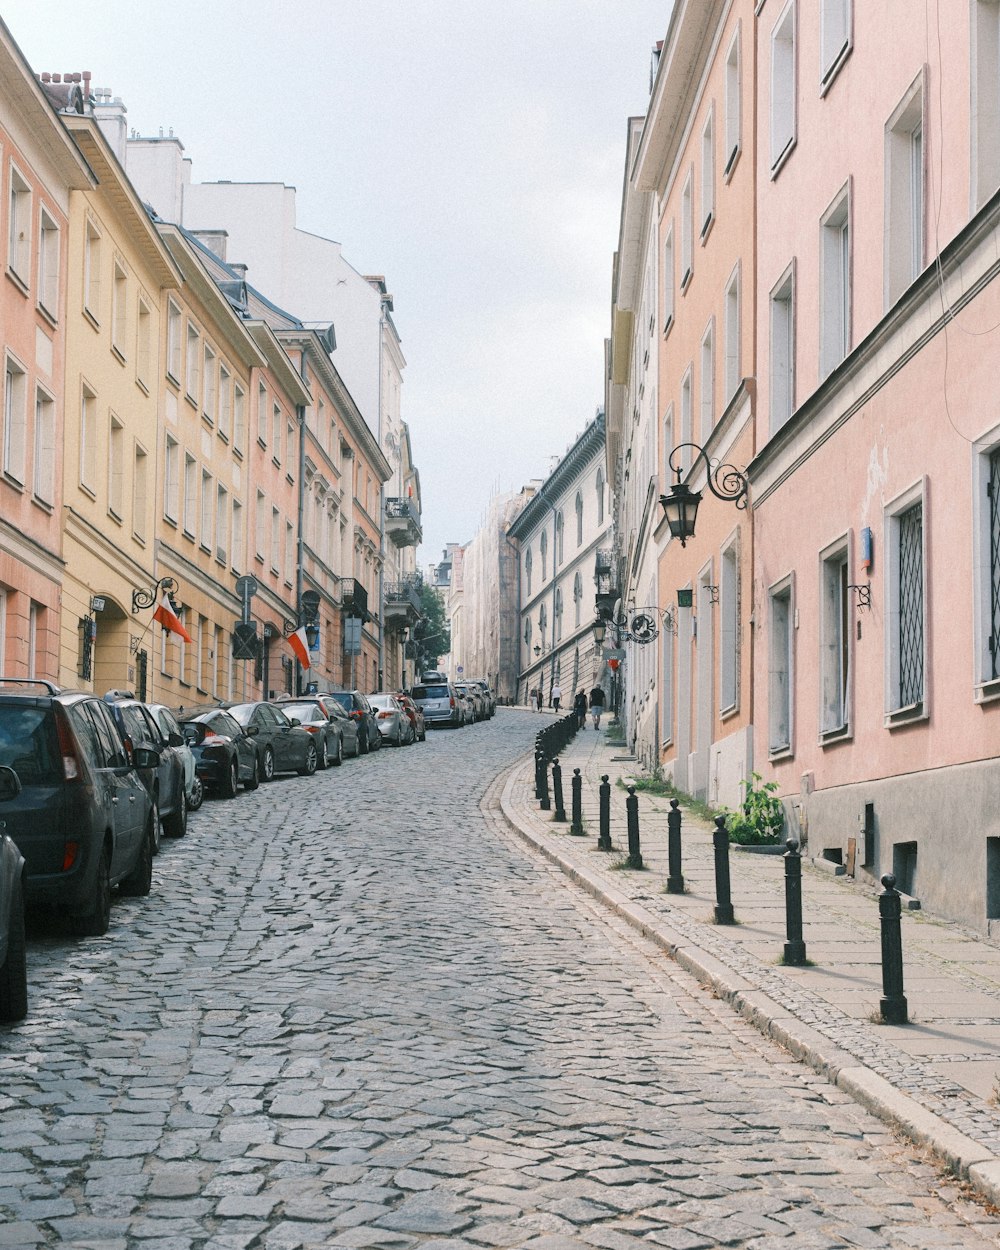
(604, 799)
(545, 802)
(632, 819)
(560, 811)
(675, 881)
(723, 900)
(576, 827)
(539, 768)
(795, 948)
(890, 909)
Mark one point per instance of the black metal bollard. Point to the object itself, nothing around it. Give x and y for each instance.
(632, 817)
(890, 909)
(795, 948)
(539, 769)
(675, 880)
(723, 897)
(576, 826)
(557, 790)
(604, 801)
(544, 801)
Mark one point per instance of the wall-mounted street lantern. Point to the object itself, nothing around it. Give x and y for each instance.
(600, 628)
(681, 506)
(538, 649)
(143, 598)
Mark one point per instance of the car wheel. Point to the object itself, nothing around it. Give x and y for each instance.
(364, 746)
(423, 736)
(323, 759)
(309, 767)
(267, 764)
(14, 973)
(253, 781)
(157, 826)
(197, 795)
(175, 825)
(139, 881)
(357, 746)
(95, 922)
(377, 744)
(230, 782)
(338, 759)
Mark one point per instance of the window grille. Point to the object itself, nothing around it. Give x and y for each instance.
(911, 607)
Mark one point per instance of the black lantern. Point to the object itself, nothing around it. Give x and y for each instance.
(538, 649)
(680, 507)
(600, 628)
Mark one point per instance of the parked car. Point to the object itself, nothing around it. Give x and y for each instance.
(393, 723)
(414, 715)
(357, 707)
(13, 954)
(315, 720)
(475, 705)
(83, 820)
(489, 698)
(439, 702)
(165, 781)
(350, 730)
(168, 724)
(223, 751)
(283, 746)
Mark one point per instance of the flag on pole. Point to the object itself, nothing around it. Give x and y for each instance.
(169, 619)
(300, 645)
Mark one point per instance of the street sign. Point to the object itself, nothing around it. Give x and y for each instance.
(460, 670)
(614, 653)
(352, 635)
(246, 587)
(244, 641)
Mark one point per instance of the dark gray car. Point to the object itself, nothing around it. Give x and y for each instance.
(13, 957)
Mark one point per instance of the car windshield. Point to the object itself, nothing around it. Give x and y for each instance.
(430, 692)
(242, 712)
(344, 698)
(381, 700)
(302, 711)
(28, 744)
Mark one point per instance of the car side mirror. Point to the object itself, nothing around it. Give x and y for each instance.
(294, 720)
(175, 739)
(251, 731)
(145, 757)
(10, 784)
(194, 735)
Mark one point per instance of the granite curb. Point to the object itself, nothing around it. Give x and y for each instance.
(967, 1158)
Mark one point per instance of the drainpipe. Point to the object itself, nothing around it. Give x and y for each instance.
(517, 635)
(381, 510)
(300, 416)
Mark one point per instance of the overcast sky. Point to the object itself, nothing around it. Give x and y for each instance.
(471, 152)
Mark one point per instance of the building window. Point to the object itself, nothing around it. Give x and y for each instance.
(19, 227)
(44, 469)
(262, 414)
(15, 420)
(985, 100)
(192, 364)
(734, 107)
(275, 540)
(260, 527)
(783, 350)
(143, 344)
(729, 612)
(668, 280)
(225, 401)
(687, 417)
(733, 372)
(190, 494)
(290, 448)
(599, 490)
(708, 382)
(668, 446)
(905, 591)
(209, 386)
(35, 613)
(172, 480)
(687, 230)
(207, 510)
(559, 546)
(577, 597)
(173, 341)
(92, 271)
(708, 174)
(239, 418)
(222, 524)
(834, 643)
(987, 516)
(238, 543)
(667, 687)
(140, 495)
(276, 420)
(289, 561)
(835, 37)
(783, 87)
(781, 672)
(835, 285)
(904, 194)
(543, 551)
(557, 617)
(48, 265)
(119, 309)
(116, 468)
(527, 571)
(88, 440)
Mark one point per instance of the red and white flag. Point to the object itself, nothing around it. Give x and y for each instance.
(169, 619)
(300, 645)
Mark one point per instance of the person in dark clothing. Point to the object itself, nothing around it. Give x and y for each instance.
(597, 705)
(580, 708)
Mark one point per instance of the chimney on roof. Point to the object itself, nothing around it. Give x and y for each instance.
(240, 268)
(110, 116)
(214, 240)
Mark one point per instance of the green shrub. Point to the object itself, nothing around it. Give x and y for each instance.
(760, 818)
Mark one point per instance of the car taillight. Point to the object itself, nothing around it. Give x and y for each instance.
(215, 740)
(355, 715)
(451, 701)
(310, 729)
(70, 851)
(384, 715)
(68, 751)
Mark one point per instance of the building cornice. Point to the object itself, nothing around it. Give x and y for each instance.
(569, 468)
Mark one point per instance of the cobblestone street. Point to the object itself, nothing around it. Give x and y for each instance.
(356, 1011)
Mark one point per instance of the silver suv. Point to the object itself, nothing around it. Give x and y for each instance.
(439, 702)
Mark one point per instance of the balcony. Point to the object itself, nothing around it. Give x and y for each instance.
(401, 605)
(402, 523)
(354, 598)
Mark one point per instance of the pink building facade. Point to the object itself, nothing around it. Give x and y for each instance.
(876, 482)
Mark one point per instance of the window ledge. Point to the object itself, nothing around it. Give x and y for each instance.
(223, 435)
(42, 504)
(170, 520)
(987, 691)
(727, 713)
(706, 228)
(17, 280)
(780, 753)
(118, 354)
(830, 737)
(192, 400)
(88, 490)
(734, 160)
(172, 377)
(909, 715)
(779, 163)
(686, 280)
(826, 82)
(91, 317)
(209, 420)
(669, 325)
(188, 534)
(13, 482)
(142, 386)
(44, 313)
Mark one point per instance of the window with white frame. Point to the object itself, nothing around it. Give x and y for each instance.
(904, 193)
(557, 617)
(780, 667)
(558, 547)
(288, 564)
(260, 528)
(88, 439)
(239, 418)
(687, 417)
(783, 86)
(225, 401)
(182, 649)
(729, 621)
(667, 444)
(19, 226)
(35, 618)
(275, 540)
(210, 385)
(290, 448)
(906, 640)
(44, 467)
(834, 642)
(92, 261)
(667, 684)
(708, 381)
(543, 551)
(173, 341)
(238, 543)
(48, 264)
(687, 230)
(577, 597)
(834, 37)
(261, 414)
(599, 491)
(190, 494)
(15, 420)
(140, 492)
(192, 364)
(732, 370)
(708, 173)
(116, 468)
(783, 350)
(276, 424)
(222, 524)
(668, 279)
(986, 518)
(207, 510)
(143, 343)
(119, 308)
(985, 100)
(578, 507)
(172, 479)
(734, 105)
(527, 571)
(835, 284)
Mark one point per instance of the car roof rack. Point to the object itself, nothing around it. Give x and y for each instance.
(50, 686)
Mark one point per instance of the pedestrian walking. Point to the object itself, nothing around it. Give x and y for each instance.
(538, 699)
(580, 708)
(536, 704)
(556, 697)
(597, 705)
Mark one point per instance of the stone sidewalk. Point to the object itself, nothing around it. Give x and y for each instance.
(937, 1078)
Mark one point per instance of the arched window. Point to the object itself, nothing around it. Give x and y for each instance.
(527, 631)
(577, 597)
(527, 569)
(543, 620)
(600, 496)
(543, 551)
(557, 623)
(579, 519)
(558, 553)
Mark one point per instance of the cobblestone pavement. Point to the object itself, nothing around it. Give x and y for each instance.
(357, 1012)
